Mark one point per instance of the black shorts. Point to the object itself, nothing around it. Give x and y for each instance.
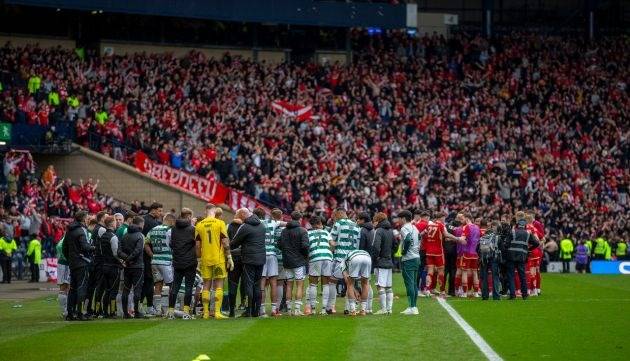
(580, 267)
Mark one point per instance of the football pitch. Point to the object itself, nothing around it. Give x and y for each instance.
(578, 317)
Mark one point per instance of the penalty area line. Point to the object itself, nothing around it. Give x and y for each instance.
(472, 334)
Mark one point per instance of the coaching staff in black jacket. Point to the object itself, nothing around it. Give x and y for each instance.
(251, 238)
(77, 250)
(130, 252)
(184, 259)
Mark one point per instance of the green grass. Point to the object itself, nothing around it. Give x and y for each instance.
(588, 328)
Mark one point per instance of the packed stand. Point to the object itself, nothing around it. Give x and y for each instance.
(522, 122)
(37, 209)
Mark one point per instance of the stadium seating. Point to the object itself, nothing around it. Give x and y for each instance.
(524, 122)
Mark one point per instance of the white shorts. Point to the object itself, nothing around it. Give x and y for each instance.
(270, 269)
(282, 274)
(337, 271)
(320, 268)
(297, 274)
(63, 274)
(383, 277)
(162, 273)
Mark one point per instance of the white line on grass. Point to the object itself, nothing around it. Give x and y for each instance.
(474, 336)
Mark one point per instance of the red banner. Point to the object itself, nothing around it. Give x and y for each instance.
(299, 112)
(209, 190)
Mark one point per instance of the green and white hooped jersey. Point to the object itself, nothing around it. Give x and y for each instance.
(319, 245)
(271, 242)
(160, 240)
(277, 234)
(346, 234)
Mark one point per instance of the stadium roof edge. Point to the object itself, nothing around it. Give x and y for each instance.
(295, 12)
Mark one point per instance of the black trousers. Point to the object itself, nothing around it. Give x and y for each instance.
(566, 265)
(78, 290)
(188, 275)
(493, 267)
(34, 268)
(134, 279)
(520, 267)
(450, 267)
(234, 278)
(251, 277)
(94, 284)
(6, 269)
(147, 290)
(110, 284)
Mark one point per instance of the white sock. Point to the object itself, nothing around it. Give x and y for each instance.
(390, 299)
(274, 307)
(347, 306)
(157, 303)
(263, 306)
(332, 295)
(311, 295)
(370, 298)
(129, 303)
(289, 305)
(364, 306)
(297, 306)
(325, 296)
(62, 298)
(119, 307)
(382, 299)
(352, 303)
(280, 290)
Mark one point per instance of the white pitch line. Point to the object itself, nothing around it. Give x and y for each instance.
(474, 336)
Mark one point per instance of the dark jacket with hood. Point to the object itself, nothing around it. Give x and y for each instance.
(250, 236)
(183, 245)
(384, 245)
(367, 238)
(76, 248)
(131, 248)
(232, 228)
(294, 245)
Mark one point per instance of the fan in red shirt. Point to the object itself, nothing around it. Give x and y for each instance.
(534, 258)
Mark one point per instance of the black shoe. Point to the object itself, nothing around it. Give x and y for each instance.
(127, 316)
(83, 318)
(139, 315)
(484, 298)
(346, 312)
(232, 314)
(512, 298)
(524, 298)
(70, 318)
(329, 312)
(245, 315)
(496, 299)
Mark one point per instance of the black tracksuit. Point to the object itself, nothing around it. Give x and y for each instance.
(384, 245)
(130, 251)
(235, 275)
(77, 250)
(251, 238)
(95, 280)
(450, 262)
(294, 246)
(184, 260)
(111, 271)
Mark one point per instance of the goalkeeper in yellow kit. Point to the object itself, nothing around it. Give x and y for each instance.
(214, 250)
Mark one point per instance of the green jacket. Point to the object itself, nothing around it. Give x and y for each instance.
(7, 247)
(53, 98)
(101, 117)
(608, 252)
(566, 248)
(73, 102)
(34, 83)
(121, 231)
(34, 251)
(622, 249)
(59, 252)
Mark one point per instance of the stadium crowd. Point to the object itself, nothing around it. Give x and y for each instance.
(522, 122)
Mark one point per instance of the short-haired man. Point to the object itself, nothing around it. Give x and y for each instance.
(294, 246)
(111, 267)
(151, 220)
(120, 219)
(320, 263)
(410, 260)
(95, 281)
(345, 235)
(76, 249)
(130, 252)
(385, 246)
(184, 261)
(214, 248)
(158, 248)
(522, 241)
(366, 243)
(270, 270)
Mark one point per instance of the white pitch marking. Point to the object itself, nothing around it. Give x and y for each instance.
(474, 336)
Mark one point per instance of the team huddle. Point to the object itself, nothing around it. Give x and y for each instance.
(109, 264)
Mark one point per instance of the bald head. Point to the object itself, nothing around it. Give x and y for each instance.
(242, 214)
